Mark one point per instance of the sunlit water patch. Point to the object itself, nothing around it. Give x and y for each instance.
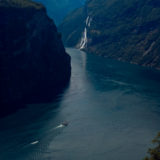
(113, 110)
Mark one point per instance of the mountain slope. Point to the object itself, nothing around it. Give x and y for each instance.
(58, 9)
(73, 26)
(34, 66)
(120, 29)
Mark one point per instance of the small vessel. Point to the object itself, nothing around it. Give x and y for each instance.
(35, 142)
(65, 123)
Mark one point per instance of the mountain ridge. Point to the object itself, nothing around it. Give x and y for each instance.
(21, 4)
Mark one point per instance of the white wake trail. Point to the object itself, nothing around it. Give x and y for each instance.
(35, 142)
(60, 126)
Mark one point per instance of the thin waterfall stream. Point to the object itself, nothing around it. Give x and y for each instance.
(84, 38)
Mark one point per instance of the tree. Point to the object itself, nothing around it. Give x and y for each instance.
(155, 152)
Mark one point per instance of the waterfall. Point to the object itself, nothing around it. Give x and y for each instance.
(87, 20)
(84, 39)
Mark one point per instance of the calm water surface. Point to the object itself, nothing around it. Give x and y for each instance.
(113, 110)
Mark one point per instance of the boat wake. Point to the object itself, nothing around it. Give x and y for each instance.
(35, 142)
(64, 124)
(60, 126)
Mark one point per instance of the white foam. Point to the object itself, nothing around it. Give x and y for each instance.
(87, 20)
(60, 126)
(84, 39)
(35, 142)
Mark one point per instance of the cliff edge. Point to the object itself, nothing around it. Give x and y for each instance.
(34, 66)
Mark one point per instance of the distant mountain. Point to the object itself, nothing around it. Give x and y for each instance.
(58, 9)
(127, 30)
(34, 66)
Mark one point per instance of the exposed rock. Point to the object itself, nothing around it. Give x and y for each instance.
(34, 66)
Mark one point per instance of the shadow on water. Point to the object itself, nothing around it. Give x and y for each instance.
(49, 97)
(30, 129)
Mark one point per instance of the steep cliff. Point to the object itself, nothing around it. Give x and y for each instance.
(120, 29)
(34, 66)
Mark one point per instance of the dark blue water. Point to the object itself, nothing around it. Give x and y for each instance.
(113, 110)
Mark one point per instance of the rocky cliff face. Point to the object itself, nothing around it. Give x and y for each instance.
(34, 66)
(120, 29)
